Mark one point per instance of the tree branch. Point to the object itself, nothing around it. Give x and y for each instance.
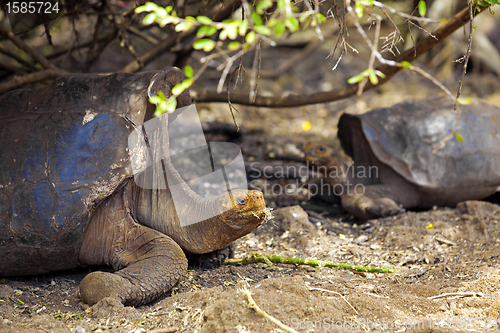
(23, 46)
(18, 81)
(324, 97)
(218, 15)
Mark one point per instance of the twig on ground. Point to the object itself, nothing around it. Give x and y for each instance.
(255, 257)
(458, 295)
(253, 305)
(334, 292)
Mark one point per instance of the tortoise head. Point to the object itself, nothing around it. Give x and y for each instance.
(244, 211)
(323, 160)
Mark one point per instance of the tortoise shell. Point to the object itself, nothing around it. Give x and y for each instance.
(418, 140)
(64, 149)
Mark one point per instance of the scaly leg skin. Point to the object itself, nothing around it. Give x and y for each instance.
(380, 201)
(147, 263)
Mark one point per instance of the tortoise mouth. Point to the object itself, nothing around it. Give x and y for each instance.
(248, 212)
(310, 158)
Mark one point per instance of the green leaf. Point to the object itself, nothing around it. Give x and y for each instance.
(250, 37)
(223, 34)
(356, 79)
(158, 98)
(257, 20)
(459, 137)
(422, 8)
(167, 106)
(204, 20)
(308, 21)
(243, 27)
(292, 23)
(183, 26)
(232, 31)
(148, 7)
(464, 101)
(202, 32)
(161, 12)
(303, 17)
(279, 28)
(233, 46)
(171, 105)
(262, 29)
(149, 19)
(320, 17)
(373, 77)
(281, 5)
(405, 64)
(154, 100)
(379, 73)
(190, 18)
(180, 87)
(211, 30)
(358, 8)
(263, 5)
(206, 44)
(167, 20)
(188, 71)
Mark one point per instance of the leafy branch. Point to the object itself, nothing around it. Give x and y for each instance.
(255, 257)
(251, 30)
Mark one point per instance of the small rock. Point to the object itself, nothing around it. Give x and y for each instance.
(361, 239)
(293, 219)
(80, 329)
(107, 306)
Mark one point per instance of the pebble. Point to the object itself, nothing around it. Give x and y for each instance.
(361, 239)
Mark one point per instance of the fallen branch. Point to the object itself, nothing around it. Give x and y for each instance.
(336, 293)
(253, 305)
(458, 295)
(409, 55)
(255, 257)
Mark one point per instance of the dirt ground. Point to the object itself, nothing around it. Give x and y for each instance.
(444, 250)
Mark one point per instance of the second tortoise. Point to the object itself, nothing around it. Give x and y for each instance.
(413, 154)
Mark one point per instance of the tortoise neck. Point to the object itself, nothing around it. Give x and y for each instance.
(174, 209)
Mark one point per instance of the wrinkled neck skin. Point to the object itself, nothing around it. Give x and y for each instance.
(155, 208)
(223, 219)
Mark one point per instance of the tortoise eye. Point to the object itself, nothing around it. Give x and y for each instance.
(321, 148)
(240, 201)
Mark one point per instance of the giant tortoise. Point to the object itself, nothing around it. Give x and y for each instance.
(68, 196)
(413, 154)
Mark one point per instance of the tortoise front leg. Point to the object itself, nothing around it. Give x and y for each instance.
(380, 200)
(147, 262)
